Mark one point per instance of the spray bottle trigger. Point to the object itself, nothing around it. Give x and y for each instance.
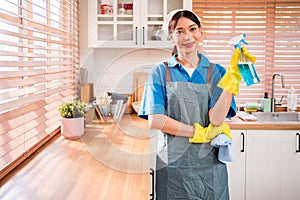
(238, 45)
(243, 41)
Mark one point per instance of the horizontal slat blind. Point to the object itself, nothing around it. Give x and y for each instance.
(39, 63)
(273, 33)
(287, 45)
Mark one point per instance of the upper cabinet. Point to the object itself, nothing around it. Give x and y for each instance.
(136, 24)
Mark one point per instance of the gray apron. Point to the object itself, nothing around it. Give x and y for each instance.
(185, 170)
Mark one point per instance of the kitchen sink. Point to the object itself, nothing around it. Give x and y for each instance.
(278, 116)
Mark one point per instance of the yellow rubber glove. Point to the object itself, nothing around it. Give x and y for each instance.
(212, 130)
(232, 78)
(248, 55)
(205, 135)
(199, 134)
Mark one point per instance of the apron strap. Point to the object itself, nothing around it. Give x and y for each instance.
(209, 73)
(168, 77)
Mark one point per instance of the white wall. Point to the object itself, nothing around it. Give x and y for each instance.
(112, 69)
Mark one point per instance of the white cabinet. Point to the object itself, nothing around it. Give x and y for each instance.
(272, 165)
(120, 24)
(236, 169)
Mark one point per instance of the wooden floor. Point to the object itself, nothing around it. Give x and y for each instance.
(110, 162)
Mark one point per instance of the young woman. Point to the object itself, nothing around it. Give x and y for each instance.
(181, 98)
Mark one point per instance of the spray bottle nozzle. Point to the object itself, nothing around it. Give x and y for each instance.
(236, 41)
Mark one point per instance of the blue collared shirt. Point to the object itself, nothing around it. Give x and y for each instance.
(154, 97)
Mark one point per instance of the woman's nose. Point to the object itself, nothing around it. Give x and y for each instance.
(187, 35)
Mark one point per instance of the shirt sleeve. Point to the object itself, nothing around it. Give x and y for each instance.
(154, 95)
(218, 73)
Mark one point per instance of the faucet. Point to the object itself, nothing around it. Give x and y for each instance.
(282, 84)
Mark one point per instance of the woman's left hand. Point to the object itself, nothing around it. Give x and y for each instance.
(205, 135)
(231, 79)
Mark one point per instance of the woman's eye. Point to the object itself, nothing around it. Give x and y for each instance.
(179, 32)
(193, 29)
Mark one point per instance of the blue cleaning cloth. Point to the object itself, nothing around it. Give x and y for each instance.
(224, 143)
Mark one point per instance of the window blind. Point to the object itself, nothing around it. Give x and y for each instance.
(273, 33)
(39, 63)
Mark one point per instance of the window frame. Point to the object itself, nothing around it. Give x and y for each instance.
(39, 70)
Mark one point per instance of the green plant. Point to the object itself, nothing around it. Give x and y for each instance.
(73, 109)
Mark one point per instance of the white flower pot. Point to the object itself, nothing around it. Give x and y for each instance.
(72, 128)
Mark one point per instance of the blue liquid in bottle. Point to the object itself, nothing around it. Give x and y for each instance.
(248, 73)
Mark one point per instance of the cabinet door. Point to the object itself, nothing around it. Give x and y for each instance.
(152, 20)
(236, 169)
(290, 166)
(125, 23)
(113, 24)
(137, 24)
(272, 165)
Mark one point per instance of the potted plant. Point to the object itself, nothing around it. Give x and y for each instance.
(72, 122)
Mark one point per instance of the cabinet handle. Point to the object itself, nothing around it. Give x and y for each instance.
(143, 35)
(243, 142)
(136, 33)
(298, 140)
(152, 184)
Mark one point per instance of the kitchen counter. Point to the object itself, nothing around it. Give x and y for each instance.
(237, 124)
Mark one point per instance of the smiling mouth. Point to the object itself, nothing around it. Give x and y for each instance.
(188, 45)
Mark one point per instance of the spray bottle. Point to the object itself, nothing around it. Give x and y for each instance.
(245, 66)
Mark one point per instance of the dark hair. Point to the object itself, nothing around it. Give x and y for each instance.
(174, 50)
(182, 13)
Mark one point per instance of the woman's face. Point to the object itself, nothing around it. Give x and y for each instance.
(186, 35)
